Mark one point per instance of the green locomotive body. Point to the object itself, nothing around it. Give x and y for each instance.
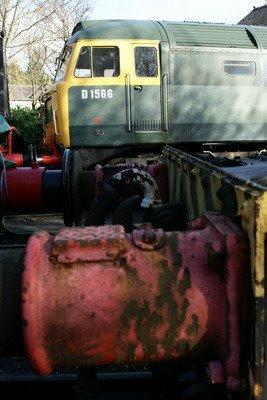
(144, 82)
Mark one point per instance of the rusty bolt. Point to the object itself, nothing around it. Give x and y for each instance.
(149, 237)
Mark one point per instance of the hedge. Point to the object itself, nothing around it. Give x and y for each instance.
(29, 123)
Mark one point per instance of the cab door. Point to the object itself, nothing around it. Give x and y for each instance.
(146, 90)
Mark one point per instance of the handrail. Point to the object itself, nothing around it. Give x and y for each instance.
(55, 122)
(165, 102)
(128, 104)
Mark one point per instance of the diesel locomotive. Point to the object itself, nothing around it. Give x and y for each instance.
(125, 83)
(157, 154)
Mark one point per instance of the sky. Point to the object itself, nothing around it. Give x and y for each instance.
(227, 11)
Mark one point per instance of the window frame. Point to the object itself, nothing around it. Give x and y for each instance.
(76, 62)
(60, 62)
(157, 61)
(239, 61)
(92, 62)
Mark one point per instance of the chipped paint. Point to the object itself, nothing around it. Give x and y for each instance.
(245, 202)
(134, 304)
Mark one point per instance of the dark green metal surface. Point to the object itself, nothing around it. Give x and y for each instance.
(146, 109)
(197, 101)
(103, 122)
(208, 105)
(118, 29)
(260, 34)
(209, 35)
(177, 33)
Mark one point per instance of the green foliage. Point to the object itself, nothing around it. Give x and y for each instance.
(29, 123)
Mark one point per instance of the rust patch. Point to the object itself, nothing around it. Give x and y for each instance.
(167, 279)
(122, 262)
(60, 245)
(182, 313)
(93, 242)
(193, 328)
(131, 351)
(146, 322)
(182, 346)
(176, 257)
(185, 283)
(215, 259)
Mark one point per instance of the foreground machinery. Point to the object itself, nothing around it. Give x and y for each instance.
(167, 263)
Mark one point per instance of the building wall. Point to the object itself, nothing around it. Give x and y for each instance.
(21, 103)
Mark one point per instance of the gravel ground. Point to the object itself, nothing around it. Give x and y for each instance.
(28, 224)
(20, 366)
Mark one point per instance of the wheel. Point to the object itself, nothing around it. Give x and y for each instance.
(75, 188)
(66, 168)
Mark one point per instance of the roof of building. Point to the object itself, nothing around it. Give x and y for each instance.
(177, 33)
(258, 16)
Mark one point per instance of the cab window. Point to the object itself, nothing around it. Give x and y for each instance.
(98, 62)
(106, 61)
(146, 63)
(63, 65)
(83, 67)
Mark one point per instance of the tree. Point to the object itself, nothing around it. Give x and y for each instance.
(16, 74)
(35, 74)
(43, 24)
(65, 15)
(18, 22)
(34, 33)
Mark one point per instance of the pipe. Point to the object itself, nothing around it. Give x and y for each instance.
(102, 206)
(30, 189)
(124, 215)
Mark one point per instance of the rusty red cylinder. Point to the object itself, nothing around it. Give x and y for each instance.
(97, 295)
(22, 189)
(31, 189)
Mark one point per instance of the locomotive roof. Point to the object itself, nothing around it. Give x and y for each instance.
(177, 33)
